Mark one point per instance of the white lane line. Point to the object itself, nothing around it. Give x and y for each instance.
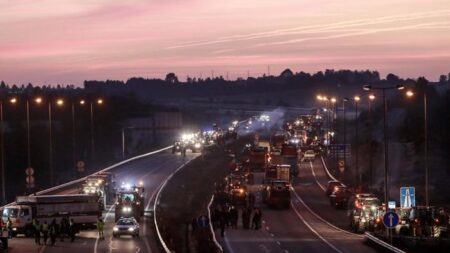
(146, 242)
(279, 243)
(227, 243)
(314, 231)
(315, 178)
(106, 218)
(158, 232)
(320, 218)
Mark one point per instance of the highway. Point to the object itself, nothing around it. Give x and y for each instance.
(310, 225)
(152, 170)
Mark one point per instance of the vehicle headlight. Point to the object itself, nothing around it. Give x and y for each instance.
(14, 229)
(126, 209)
(131, 229)
(363, 220)
(115, 229)
(197, 145)
(373, 208)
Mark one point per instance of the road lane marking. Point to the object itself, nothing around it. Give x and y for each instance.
(320, 218)
(315, 178)
(227, 243)
(157, 198)
(314, 231)
(106, 218)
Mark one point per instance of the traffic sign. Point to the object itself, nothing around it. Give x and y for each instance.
(29, 171)
(203, 221)
(407, 197)
(390, 219)
(391, 204)
(80, 166)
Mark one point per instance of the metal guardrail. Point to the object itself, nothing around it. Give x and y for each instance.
(368, 236)
(382, 243)
(157, 198)
(211, 226)
(327, 171)
(76, 181)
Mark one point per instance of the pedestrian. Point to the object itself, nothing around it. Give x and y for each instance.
(44, 230)
(53, 231)
(63, 227)
(234, 215)
(226, 214)
(37, 231)
(246, 218)
(100, 228)
(222, 224)
(72, 230)
(194, 224)
(9, 228)
(256, 221)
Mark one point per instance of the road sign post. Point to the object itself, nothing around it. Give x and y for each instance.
(203, 221)
(407, 197)
(390, 220)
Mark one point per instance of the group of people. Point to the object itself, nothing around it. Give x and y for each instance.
(228, 216)
(53, 230)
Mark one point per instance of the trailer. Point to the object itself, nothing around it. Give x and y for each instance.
(83, 209)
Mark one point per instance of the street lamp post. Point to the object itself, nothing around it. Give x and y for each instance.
(28, 134)
(345, 131)
(425, 132)
(385, 128)
(123, 140)
(358, 175)
(99, 102)
(371, 98)
(2, 153)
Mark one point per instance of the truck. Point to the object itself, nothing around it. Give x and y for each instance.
(290, 154)
(277, 193)
(277, 172)
(82, 208)
(258, 158)
(278, 139)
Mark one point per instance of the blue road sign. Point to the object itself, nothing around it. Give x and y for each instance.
(407, 197)
(203, 221)
(390, 219)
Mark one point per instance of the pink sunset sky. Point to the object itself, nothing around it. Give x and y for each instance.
(69, 41)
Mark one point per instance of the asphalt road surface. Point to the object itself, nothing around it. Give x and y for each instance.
(152, 170)
(310, 225)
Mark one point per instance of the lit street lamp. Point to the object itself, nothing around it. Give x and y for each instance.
(2, 153)
(99, 102)
(425, 130)
(371, 98)
(386, 140)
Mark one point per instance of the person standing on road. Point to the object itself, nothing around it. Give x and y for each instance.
(44, 230)
(72, 230)
(52, 231)
(9, 227)
(63, 228)
(100, 228)
(37, 231)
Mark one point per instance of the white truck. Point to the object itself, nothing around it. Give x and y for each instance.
(83, 209)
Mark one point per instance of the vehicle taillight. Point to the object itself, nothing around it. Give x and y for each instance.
(378, 220)
(436, 220)
(416, 221)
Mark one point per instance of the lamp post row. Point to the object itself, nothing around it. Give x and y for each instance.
(39, 100)
(371, 97)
